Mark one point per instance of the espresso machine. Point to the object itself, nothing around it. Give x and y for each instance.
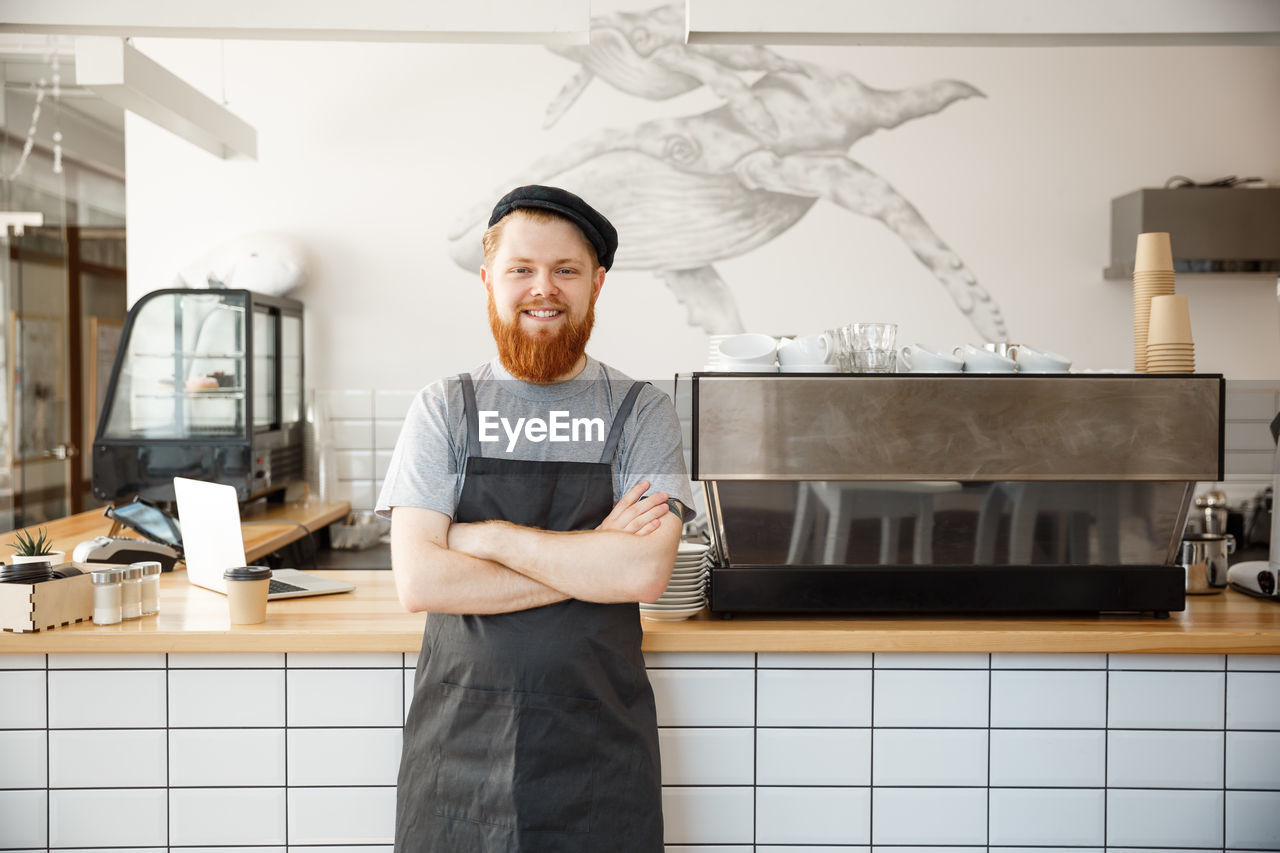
(952, 493)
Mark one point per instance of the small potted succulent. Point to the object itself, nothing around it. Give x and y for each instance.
(35, 549)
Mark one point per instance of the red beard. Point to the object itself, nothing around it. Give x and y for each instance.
(543, 356)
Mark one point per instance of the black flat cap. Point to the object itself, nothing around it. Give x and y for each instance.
(599, 232)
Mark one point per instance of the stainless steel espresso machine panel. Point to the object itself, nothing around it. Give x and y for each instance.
(909, 493)
(919, 427)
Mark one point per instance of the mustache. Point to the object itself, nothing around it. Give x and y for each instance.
(537, 304)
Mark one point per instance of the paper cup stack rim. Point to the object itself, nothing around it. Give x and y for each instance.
(1154, 252)
(1152, 276)
(1170, 321)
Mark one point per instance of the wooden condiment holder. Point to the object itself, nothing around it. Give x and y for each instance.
(40, 606)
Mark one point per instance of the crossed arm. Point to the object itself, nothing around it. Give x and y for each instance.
(497, 567)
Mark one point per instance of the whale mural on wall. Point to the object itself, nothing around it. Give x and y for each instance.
(688, 191)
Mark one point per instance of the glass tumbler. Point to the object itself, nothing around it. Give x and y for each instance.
(876, 337)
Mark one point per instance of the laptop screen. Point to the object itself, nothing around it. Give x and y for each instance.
(211, 535)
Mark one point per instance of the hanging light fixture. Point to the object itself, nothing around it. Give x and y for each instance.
(118, 72)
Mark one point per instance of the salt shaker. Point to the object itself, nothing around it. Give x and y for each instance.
(150, 587)
(131, 592)
(107, 596)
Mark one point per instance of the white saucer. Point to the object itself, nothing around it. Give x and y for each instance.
(809, 368)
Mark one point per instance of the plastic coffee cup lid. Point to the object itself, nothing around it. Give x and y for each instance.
(247, 573)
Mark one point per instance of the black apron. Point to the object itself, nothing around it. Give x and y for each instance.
(533, 730)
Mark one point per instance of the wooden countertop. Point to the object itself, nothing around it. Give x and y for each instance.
(371, 620)
(266, 526)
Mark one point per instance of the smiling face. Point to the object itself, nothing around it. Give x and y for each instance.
(543, 281)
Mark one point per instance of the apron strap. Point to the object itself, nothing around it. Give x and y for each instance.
(615, 432)
(473, 418)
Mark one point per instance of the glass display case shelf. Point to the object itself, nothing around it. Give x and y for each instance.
(189, 354)
(234, 393)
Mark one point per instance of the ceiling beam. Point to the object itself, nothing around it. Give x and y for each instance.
(469, 21)
(984, 22)
(117, 72)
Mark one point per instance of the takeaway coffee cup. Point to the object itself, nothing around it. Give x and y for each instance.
(247, 593)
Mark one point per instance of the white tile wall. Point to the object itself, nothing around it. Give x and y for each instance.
(811, 756)
(23, 817)
(927, 660)
(814, 697)
(700, 660)
(1166, 700)
(734, 778)
(1164, 818)
(23, 662)
(1039, 757)
(1168, 662)
(226, 757)
(229, 698)
(227, 660)
(24, 700)
(808, 660)
(1267, 663)
(1140, 759)
(344, 697)
(688, 697)
(97, 661)
(115, 758)
(1047, 816)
(1005, 660)
(1253, 819)
(931, 698)
(344, 756)
(23, 759)
(722, 756)
(1059, 699)
(813, 815)
(341, 815)
(227, 816)
(106, 699)
(351, 660)
(708, 815)
(930, 757)
(929, 816)
(107, 818)
(1253, 760)
(1253, 700)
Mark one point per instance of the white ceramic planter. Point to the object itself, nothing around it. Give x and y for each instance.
(56, 558)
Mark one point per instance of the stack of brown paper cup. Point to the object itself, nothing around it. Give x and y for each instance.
(1152, 276)
(1169, 345)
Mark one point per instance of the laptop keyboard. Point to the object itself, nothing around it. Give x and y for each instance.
(281, 586)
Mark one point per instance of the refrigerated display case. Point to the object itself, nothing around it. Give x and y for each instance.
(207, 384)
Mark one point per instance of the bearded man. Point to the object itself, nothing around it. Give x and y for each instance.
(534, 501)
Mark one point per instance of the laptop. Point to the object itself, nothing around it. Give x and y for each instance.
(213, 542)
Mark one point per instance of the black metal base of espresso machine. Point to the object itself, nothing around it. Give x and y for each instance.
(947, 589)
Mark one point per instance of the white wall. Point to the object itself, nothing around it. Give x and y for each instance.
(369, 153)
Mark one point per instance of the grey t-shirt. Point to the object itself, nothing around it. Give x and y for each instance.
(565, 422)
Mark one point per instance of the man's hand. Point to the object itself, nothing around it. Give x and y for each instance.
(635, 515)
